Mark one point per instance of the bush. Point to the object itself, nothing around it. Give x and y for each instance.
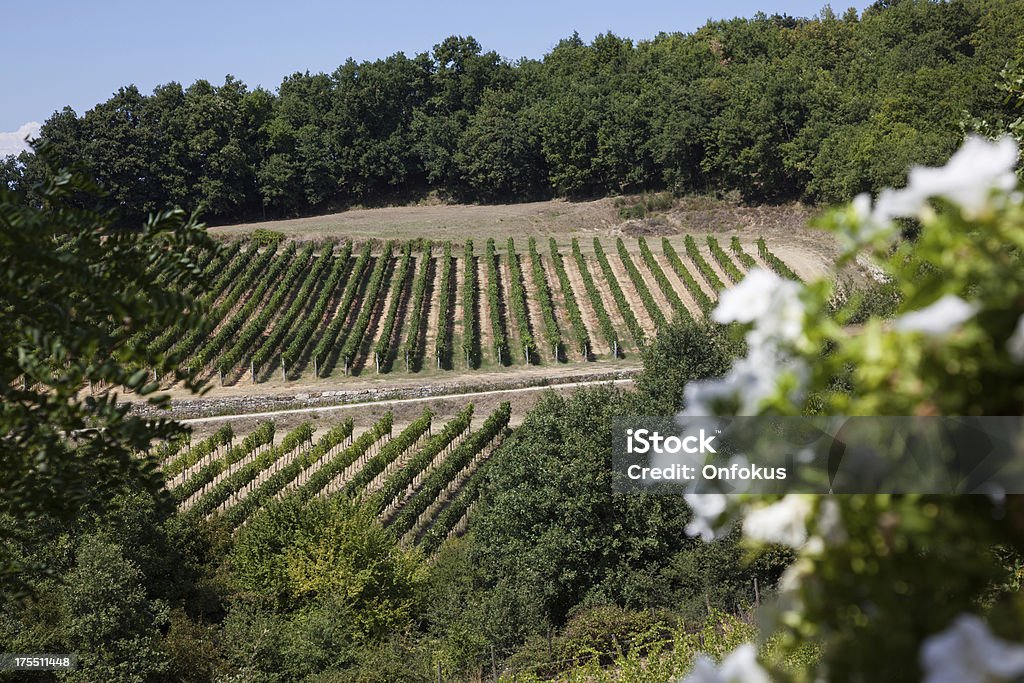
(264, 237)
(604, 632)
(925, 567)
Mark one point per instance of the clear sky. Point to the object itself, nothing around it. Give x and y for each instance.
(79, 53)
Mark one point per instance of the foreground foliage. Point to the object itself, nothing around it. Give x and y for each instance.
(870, 567)
(75, 292)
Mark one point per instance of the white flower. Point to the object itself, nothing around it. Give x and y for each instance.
(700, 397)
(862, 206)
(905, 203)
(748, 383)
(968, 652)
(751, 380)
(869, 223)
(785, 323)
(941, 317)
(773, 306)
(970, 175)
(1015, 344)
(968, 179)
(830, 522)
(740, 666)
(784, 522)
(749, 300)
(765, 299)
(707, 508)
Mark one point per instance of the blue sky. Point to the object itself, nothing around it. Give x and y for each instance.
(78, 53)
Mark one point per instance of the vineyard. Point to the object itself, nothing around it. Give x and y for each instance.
(422, 479)
(305, 310)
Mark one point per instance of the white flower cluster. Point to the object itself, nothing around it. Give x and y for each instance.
(707, 509)
(968, 652)
(773, 308)
(740, 666)
(939, 318)
(973, 178)
(968, 179)
(784, 522)
(790, 520)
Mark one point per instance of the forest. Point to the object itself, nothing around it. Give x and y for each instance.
(769, 108)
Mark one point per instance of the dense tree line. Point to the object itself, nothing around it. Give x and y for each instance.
(773, 107)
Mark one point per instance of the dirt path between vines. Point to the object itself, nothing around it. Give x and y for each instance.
(433, 299)
(636, 304)
(598, 344)
(677, 283)
(483, 308)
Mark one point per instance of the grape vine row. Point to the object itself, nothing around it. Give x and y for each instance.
(208, 445)
(620, 298)
(261, 436)
(411, 348)
(547, 306)
(440, 476)
(230, 484)
(746, 259)
(310, 287)
(265, 262)
(774, 262)
(329, 340)
(276, 482)
(603, 319)
(663, 282)
(302, 336)
(396, 484)
(703, 266)
(470, 340)
(354, 340)
(340, 462)
(571, 305)
(703, 300)
(255, 327)
(382, 351)
(390, 452)
(723, 260)
(494, 306)
(519, 309)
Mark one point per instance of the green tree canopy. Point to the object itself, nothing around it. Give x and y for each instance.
(76, 294)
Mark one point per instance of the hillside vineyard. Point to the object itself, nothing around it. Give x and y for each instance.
(422, 480)
(304, 310)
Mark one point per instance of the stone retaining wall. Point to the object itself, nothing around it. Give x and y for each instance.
(240, 405)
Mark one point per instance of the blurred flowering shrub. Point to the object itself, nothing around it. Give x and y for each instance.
(890, 587)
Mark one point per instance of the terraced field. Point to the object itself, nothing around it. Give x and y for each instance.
(422, 477)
